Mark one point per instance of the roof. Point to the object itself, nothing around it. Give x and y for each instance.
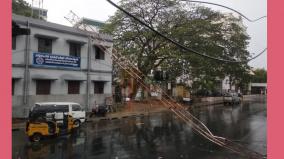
(259, 84)
(37, 8)
(55, 27)
(17, 30)
(93, 22)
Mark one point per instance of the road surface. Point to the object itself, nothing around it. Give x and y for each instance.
(157, 136)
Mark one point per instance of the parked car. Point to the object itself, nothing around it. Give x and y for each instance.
(231, 98)
(55, 109)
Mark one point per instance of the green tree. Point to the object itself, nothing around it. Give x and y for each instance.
(199, 28)
(138, 43)
(260, 76)
(218, 35)
(21, 7)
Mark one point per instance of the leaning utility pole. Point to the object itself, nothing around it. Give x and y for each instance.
(168, 102)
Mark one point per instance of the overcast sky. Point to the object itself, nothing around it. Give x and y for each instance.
(101, 10)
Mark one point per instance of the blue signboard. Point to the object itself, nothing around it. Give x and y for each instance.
(51, 60)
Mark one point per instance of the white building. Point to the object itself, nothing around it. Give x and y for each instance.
(258, 88)
(58, 63)
(226, 86)
(40, 12)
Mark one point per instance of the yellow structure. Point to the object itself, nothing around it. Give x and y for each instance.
(36, 130)
(181, 91)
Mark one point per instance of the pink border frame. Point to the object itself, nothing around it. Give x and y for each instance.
(5, 84)
(275, 81)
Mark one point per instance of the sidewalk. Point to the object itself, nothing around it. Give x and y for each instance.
(207, 101)
(132, 109)
(20, 124)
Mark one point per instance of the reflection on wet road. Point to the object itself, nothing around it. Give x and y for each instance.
(159, 135)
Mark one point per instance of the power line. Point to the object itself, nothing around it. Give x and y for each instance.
(257, 55)
(250, 20)
(176, 108)
(175, 42)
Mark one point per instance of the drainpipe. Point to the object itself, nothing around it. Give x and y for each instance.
(26, 73)
(88, 72)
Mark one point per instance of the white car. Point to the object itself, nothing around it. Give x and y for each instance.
(58, 109)
(231, 98)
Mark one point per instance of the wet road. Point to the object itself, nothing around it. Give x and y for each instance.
(160, 135)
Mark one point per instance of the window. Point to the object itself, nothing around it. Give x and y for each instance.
(99, 53)
(44, 13)
(99, 87)
(13, 86)
(73, 87)
(43, 87)
(44, 108)
(44, 45)
(158, 75)
(14, 44)
(76, 108)
(62, 108)
(74, 49)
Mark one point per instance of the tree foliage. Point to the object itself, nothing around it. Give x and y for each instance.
(260, 76)
(200, 28)
(138, 43)
(21, 7)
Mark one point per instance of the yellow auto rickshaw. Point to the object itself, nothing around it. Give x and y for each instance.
(39, 126)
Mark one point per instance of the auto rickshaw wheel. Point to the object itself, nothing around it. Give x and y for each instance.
(36, 137)
(77, 123)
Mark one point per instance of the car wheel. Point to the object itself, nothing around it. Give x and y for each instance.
(36, 137)
(77, 123)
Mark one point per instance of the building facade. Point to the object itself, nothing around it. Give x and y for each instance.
(56, 63)
(258, 88)
(40, 12)
(226, 86)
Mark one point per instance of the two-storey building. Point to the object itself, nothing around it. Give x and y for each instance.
(58, 63)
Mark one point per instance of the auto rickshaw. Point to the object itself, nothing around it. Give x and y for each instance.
(40, 126)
